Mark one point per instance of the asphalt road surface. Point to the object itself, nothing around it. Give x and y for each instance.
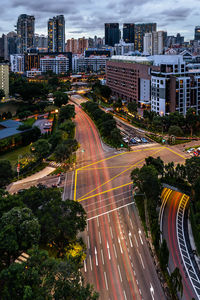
(118, 262)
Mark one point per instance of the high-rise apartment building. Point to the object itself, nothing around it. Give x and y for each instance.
(72, 46)
(82, 45)
(129, 33)
(154, 43)
(12, 40)
(25, 32)
(4, 78)
(41, 42)
(4, 47)
(140, 30)
(112, 34)
(197, 33)
(56, 34)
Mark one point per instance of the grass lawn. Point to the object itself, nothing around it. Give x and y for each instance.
(30, 121)
(12, 156)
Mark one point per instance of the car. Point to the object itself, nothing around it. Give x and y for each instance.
(41, 186)
(138, 140)
(133, 141)
(190, 150)
(144, 140)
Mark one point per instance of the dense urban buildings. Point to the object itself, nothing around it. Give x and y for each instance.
(112, 34)
(129, 33)
(56, 34)
(197, 33)
(4, 78)
(154, 43)
(124, 48)
(93, 63)
(25, 32)
(140, 30)
(58, 64)
(41, 42)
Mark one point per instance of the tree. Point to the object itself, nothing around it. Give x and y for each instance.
(55, 139)
(192, 166)
(42, 278)
(157, 163)
(60, 98)
(60, 220)
(69, 127)
(19, 231)
(66, 112)
(6, 172)
(117, 104)
(41, 148)
(2, 94)
(175, 130)
(132, 107)
(7, 202)
(164, 255)
(176, 281)
(105, 91)
(62, 152)
(191, 120)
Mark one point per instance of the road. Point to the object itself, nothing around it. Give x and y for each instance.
(169, 233)
(118, 261)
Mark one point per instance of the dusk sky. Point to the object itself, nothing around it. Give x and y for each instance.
(87, 17)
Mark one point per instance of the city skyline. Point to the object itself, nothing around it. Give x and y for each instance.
(88, 18)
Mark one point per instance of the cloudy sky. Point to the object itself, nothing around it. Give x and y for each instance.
(87, 17)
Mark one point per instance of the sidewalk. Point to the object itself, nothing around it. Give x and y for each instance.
(46, 171)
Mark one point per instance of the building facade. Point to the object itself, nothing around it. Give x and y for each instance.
(25, 32)
(112, 34)
(56, 34)
(58, 64)
(197, 33)
(129, 33)
(140, 30)
(17, 63)
(123, 48)
(154, 43)
(72, 46)
(4, 78)
(129, 78)
(92, 63)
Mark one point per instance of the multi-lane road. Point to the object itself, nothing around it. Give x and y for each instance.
(118, 261)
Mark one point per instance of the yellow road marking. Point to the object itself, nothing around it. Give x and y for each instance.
(118, 175)
(175, 153)
(123, 153)
(75, 183)
(104, 192)
(103, 168)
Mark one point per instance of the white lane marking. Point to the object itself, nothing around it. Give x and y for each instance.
(108, 251)
(95, 251)
(127, 210)
(136, 240)
(140, 235)
(98, 222)
(119, 273)
(140, 291)
(115, 250)
(90, 262)
(87, 225)
(141, 259)
(99, 237)
(106, 280)
(102, 256)
(125, 295)
(131, 223)
(152, 291)
(129, 235)
(108, 218)
(107, 212)
(120, 246)
(88, 242)
(111, 232)
(85, 267)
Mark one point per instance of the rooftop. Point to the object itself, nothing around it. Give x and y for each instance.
(9, 128)
(156, 60)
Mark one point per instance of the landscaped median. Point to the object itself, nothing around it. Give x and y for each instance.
(105, 124)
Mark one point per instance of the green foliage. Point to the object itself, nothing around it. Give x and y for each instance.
(67, 112)
(2, 94)
(24, 127)
(19, 230)
(55, 139)
(175, 130)
(41, 148)
(192, 166)
(105, 123)
(69, 127)
(132, 107)
(60, 98)
(164, 255)
(6, 172)
(64, 151)
(176, 281)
